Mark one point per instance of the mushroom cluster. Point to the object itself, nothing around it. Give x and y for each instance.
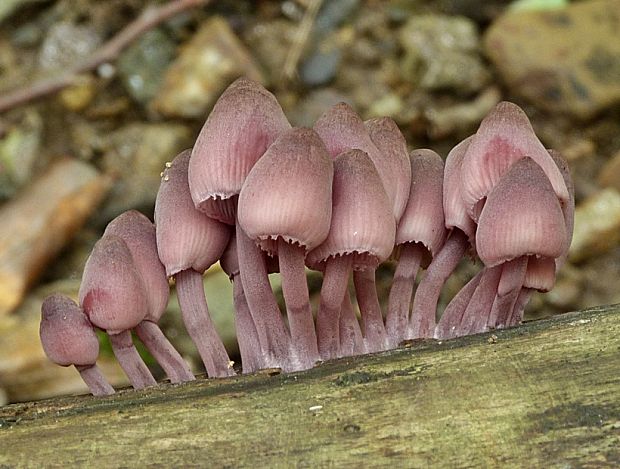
(260, 196)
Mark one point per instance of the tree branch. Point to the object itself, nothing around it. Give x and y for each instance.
(108, 52)
(546, 394)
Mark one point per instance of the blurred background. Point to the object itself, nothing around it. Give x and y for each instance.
(76, 157)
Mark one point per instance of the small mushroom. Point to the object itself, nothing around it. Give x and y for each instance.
(139, 234)
(188, 243)
(113, 297)
(68, 338)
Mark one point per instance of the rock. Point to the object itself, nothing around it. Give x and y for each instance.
(20, 153)
(597, 225)
(77, 97)
(321, 66)
(565, 61)
(66, 44)
(211, 60)
(25, 372)
(142, 66)
(135, 158)
(40, 221)
(270, 43)
(8, 7)
(442, 52)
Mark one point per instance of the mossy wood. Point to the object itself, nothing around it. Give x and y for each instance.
(546, 394)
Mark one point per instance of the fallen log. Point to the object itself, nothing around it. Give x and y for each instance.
(546, 394)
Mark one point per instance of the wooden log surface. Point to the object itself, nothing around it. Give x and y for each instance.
(546, 394)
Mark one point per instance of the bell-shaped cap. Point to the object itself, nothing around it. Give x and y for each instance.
(362, 221)
(139, 234)
(342, 129)
(245, 120)
(504, 136)
(454, 210)
(67, 336)
(568, 209)
(112, 292)
(288, 192)
(186, 238)
(522, 216)
(423, 220)
(540, 273)
(388, 138)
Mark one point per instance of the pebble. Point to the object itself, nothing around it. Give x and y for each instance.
(565, 60)
(142, 66)
(597, 225)
(212, 59)
(66, 44)
(37, 224)
(135, 158)
(442, 52)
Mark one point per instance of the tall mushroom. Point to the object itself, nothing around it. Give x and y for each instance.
(285, 206)
(244, 122)
(68, 338)
(188, 243)
(361, 236)
(420, 235)
(139, 234)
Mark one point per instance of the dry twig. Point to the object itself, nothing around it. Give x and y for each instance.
(150, 18)
(301, 38)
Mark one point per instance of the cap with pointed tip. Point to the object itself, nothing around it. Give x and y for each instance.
(388, 138)
(112, 292)
(423, 220)
(186, 238)
(245, 120)
(504, 136)
(342, 129)
(67, 336)
(568, 209)
(362, 221)
(139, 234)
(522, 216)
(455, 213)
(288, 192)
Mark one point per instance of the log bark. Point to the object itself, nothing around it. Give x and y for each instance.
(546, 394)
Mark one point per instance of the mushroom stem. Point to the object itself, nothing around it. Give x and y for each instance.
(131, 363)
(422, 322)
(519, 307)
(478, 309)
(448, 326)
(164, 352)
(351, 339)
(401, 292)
(195, 312)
(372, 317)
(510, 283)
(247, 337)
(94, 379)
(297, 299)
(272, 334)
(333, 291)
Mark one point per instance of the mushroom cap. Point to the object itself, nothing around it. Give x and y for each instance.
(540, 273)
(568, 209)
(139, 234)
(288, 192)
(388, 138)
(505, 135)
(423, 220)
(67, 336)
(245, 120)
(522, 216)
(186, 238)
(455, 212)
(342, 129)
(112, 292)
(362, 220)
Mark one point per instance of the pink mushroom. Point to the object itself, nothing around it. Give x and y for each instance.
(68, 338)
